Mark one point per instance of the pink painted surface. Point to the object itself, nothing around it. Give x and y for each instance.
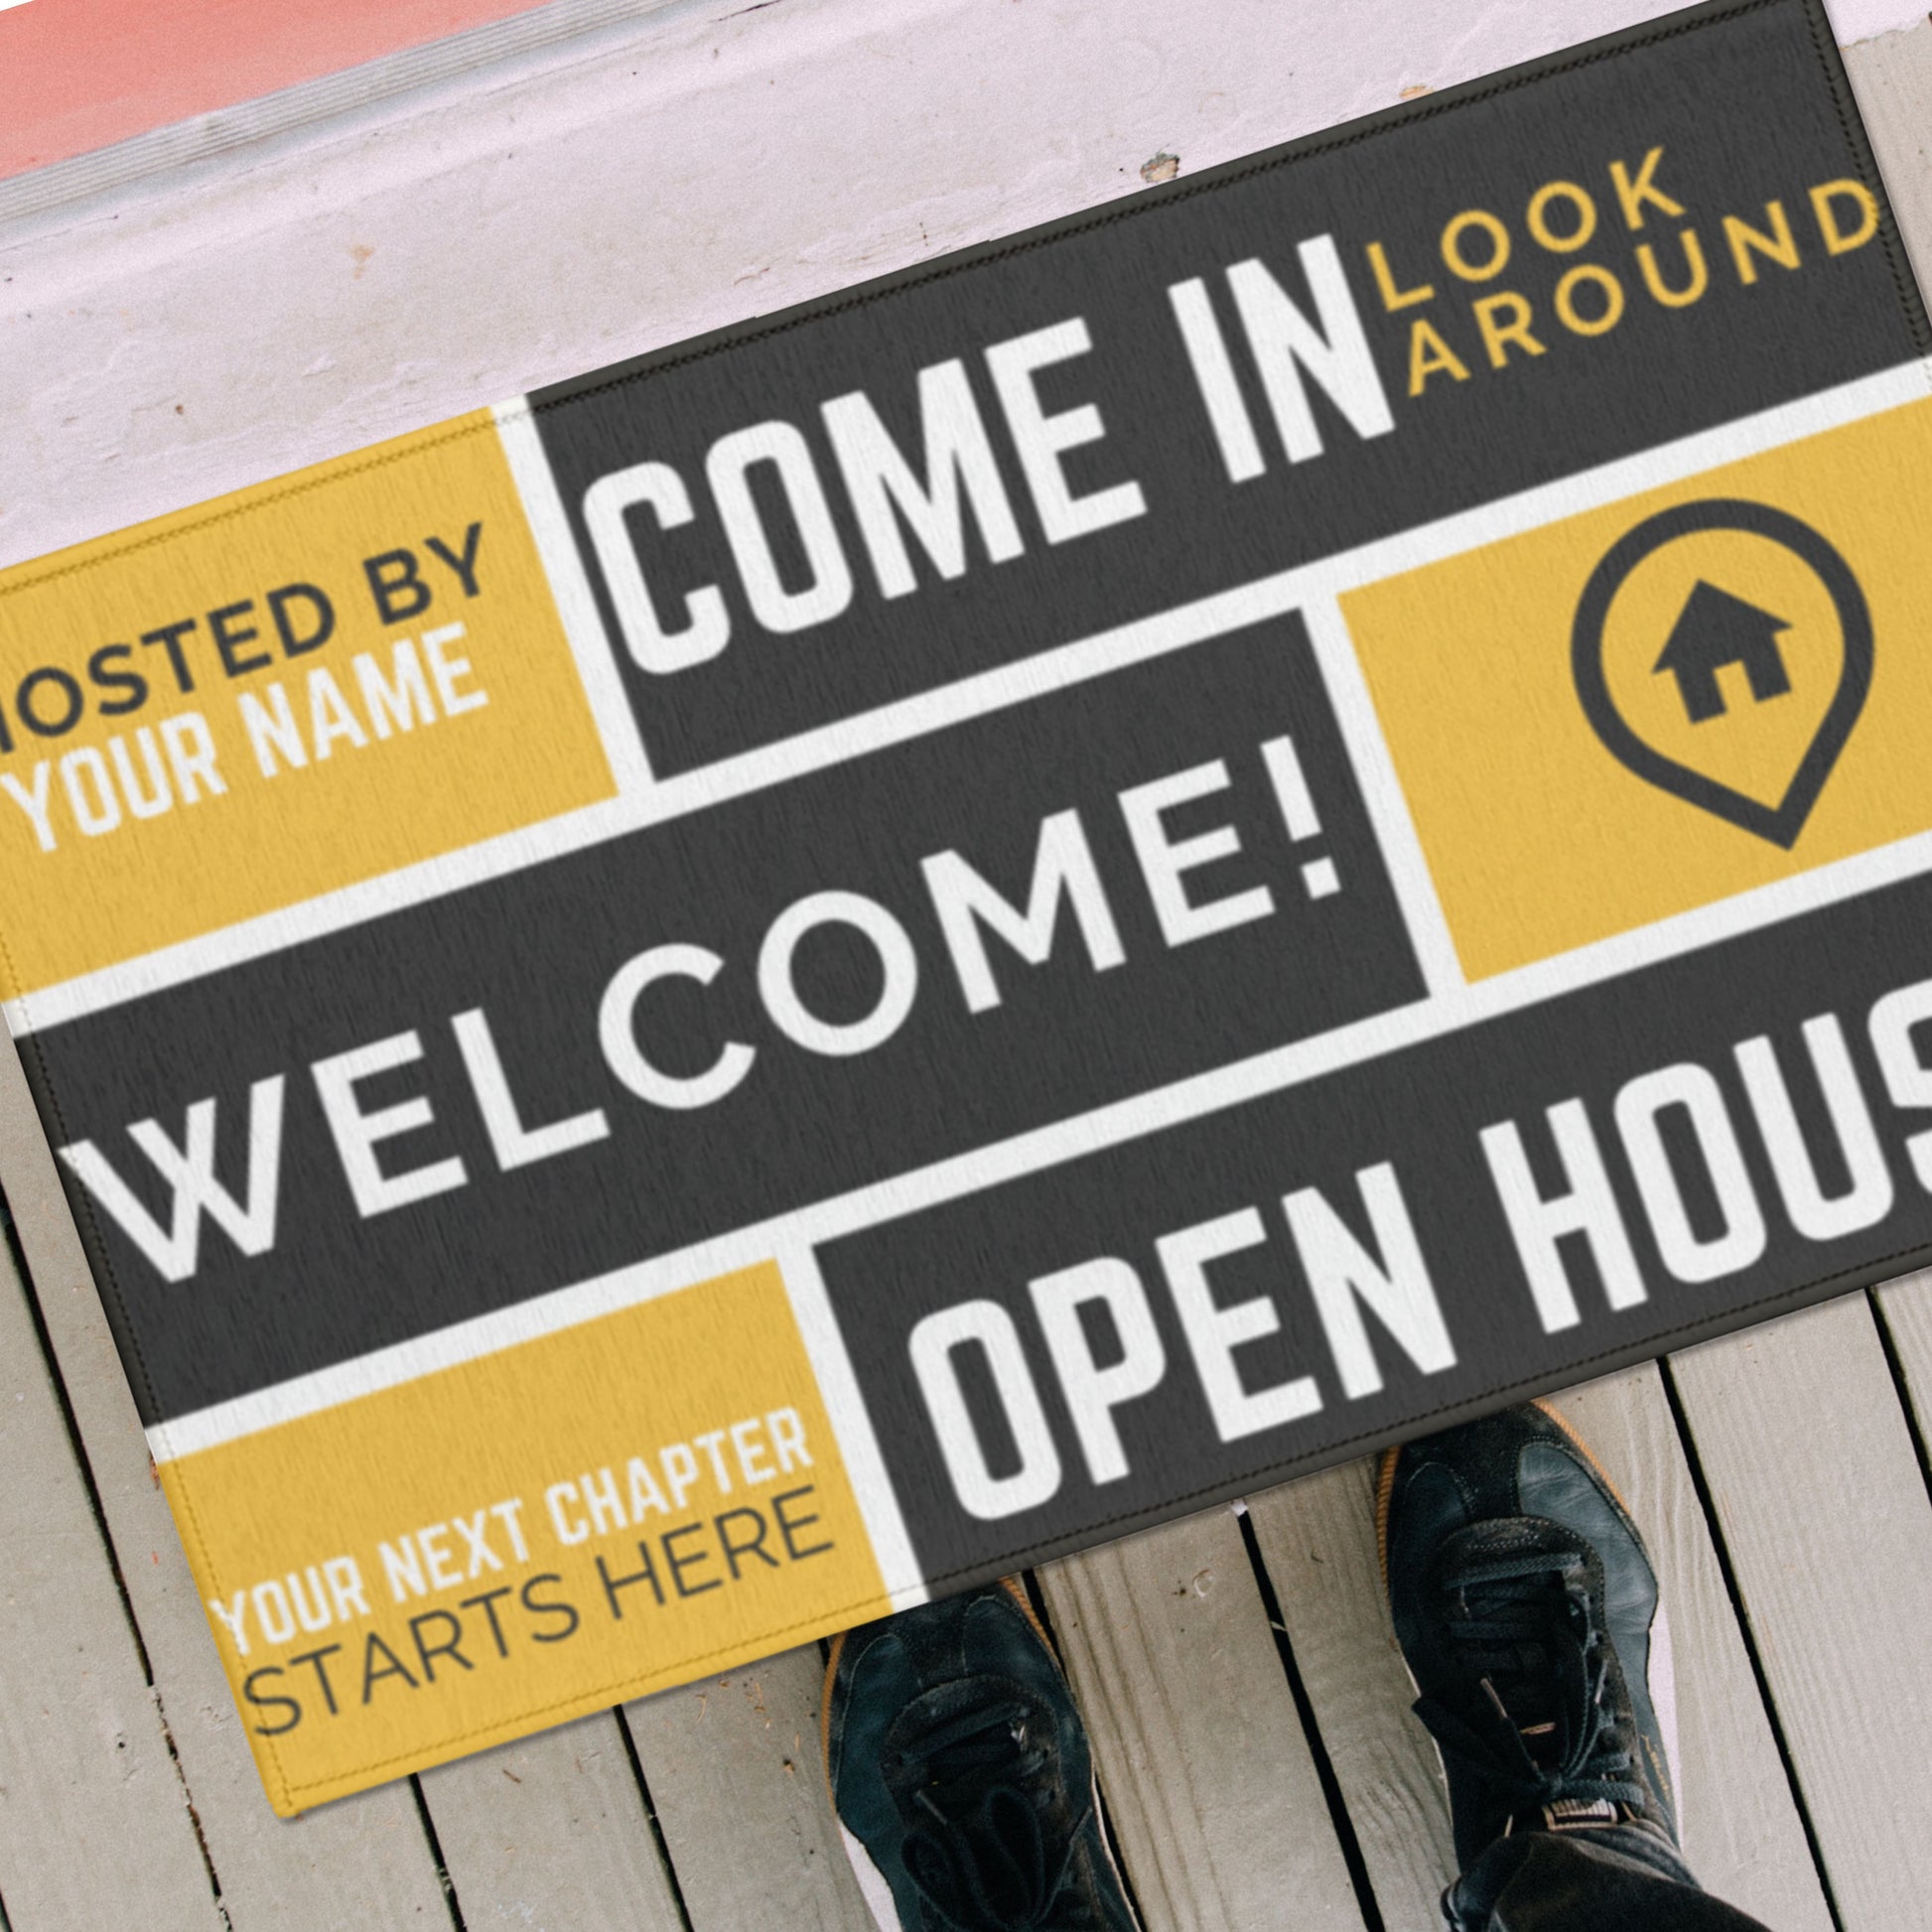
(287, 303)
(79, 75)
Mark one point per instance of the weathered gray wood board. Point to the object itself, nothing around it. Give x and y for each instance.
(1891, 77)
(352, 1867)
(1905, 1315)
(1744, 1835)
(1827, 1527)
(733, 1769)
(1202, 1754)
(1317, 1537)
(93, 1810)
(550, 1834)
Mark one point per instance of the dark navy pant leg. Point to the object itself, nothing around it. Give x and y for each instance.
(1622, 1881)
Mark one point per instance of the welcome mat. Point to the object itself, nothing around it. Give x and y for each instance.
(808, 969)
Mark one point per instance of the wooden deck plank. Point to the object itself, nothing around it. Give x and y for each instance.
(1905, 1308)
(1743, 1835)
(358, 1866)
(1317, 1537)
(734, 1775)
(80, 1736)
(1206, 1768)
(1828, 1526)
(550, 1834)
(1892, 78)
(1742, 1832)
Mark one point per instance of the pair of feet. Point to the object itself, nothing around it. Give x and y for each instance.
(1525, 1608)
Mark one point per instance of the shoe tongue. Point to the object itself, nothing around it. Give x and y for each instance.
(962, 1726)
(974, 1843)
(1493, 1539)
(1505, 1599)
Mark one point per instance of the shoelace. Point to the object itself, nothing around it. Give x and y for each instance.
(975, 1845)
(1525, 1621)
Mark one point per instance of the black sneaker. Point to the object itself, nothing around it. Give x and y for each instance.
(960, 1773)
(1527, 1611)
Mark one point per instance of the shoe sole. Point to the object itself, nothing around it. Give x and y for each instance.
(872, 1887)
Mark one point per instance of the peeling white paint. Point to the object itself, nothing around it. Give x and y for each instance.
(1864, 20)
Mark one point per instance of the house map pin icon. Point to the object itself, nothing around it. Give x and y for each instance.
(1711, 613)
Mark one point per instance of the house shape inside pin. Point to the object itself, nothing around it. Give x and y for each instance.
(1714, 629)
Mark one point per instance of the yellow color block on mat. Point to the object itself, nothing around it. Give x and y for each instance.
(274, 695)
(1538, 837)
(522, 1538)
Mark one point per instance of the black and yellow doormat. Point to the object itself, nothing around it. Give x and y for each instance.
(941, 926)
